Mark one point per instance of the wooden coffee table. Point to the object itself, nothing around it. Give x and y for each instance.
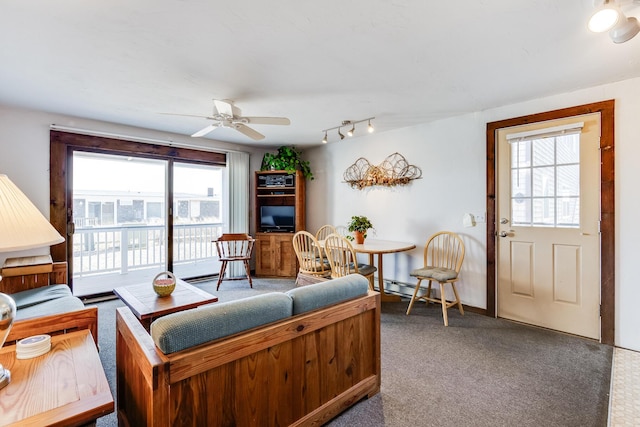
(66, 386)
(148, 306)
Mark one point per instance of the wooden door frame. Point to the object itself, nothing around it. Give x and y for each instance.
(607, 205)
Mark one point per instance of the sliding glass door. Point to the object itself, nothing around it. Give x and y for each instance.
(122, 229)
(198, 218)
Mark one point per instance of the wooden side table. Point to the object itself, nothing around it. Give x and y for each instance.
(64, 387)
(148, 306)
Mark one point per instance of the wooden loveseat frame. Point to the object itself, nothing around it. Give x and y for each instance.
(302, 370)
(54, 324)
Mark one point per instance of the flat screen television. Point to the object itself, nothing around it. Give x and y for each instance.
(277, 218)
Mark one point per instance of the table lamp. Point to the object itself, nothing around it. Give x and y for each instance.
(22, 227)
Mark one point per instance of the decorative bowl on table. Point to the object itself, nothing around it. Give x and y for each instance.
(163, 286)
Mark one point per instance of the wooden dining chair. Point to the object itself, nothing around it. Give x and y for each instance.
(234, 247)
(342, 259)
(309, 253)
(343, 230)
(325, 231)
(443, 256)
(322, 234)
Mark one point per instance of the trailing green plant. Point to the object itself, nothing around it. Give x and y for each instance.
(359, 223)
(287, 159)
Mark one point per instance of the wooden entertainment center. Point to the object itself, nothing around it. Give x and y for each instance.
(275, 256)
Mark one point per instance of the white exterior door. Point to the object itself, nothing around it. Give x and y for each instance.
(548, 224)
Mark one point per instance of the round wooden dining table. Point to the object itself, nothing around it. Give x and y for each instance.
(380, 247)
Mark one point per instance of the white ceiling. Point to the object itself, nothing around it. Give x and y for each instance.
(316, 62)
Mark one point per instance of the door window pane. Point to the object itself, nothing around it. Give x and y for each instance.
(544, 212)
(568, 181)
(521, 211)
(543, 182)
(521, 154)
(543, 151)
(545, 192)
(568, 149)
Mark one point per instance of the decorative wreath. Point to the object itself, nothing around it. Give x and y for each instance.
(394, 170)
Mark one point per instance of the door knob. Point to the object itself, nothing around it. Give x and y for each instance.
(504, 234)
(504, 221)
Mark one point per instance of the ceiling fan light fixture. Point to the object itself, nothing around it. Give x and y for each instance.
(625, 30)
(604, 18)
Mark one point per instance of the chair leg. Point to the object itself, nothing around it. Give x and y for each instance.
(223, 268)
(455, 292)
(248, 270)
(443, 301)
(429, 291)
(413, 298)
(371, 282)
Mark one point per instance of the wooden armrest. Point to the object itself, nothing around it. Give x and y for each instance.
(56, 275)
(55, 324)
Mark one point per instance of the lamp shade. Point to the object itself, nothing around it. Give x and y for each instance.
(22, 225)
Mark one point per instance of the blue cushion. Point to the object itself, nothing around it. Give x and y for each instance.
(440, 274)
(55, 306)
(317, 295)
(185, 329)
(38, 295)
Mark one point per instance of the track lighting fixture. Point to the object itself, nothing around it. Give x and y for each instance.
(351, 131)
(609, 17)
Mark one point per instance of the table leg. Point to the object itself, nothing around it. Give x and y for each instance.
(383, 296)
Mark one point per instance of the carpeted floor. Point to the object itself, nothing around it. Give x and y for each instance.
(479, 371)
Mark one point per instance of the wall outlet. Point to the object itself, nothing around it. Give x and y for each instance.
(481, 217)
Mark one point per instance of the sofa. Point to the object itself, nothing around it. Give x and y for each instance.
(47, 306)
(294, 358)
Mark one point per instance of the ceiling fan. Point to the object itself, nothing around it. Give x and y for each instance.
(227, 115)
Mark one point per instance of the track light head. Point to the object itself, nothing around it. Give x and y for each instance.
(604, 18)
(340, 134)
(352, 130)
(626, 29)
(370, 127)
(324, 140)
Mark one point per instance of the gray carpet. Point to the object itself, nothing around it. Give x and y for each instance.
(478, 371)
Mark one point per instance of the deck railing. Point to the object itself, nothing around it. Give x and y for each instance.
(126, 248)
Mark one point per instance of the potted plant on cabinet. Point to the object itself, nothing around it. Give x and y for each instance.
(359, 225)
(287, 159)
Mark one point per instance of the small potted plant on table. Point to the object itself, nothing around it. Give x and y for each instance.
(359, 225)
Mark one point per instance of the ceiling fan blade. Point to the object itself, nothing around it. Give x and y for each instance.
(223, 107)
(253, 134)
(268, 120)
(205, 131)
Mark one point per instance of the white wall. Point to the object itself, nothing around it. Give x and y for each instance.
(24, 152)
(451, 154)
